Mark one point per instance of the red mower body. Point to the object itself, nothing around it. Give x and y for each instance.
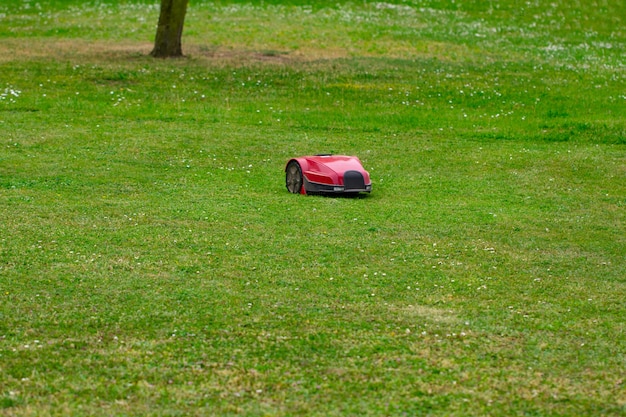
(322, 174)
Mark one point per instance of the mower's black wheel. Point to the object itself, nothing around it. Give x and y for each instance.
(293, 178)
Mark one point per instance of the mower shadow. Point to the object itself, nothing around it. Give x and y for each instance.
(352, 196)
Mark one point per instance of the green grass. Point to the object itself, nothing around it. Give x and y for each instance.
(153, 263)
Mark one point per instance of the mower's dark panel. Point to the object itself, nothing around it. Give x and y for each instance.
(353, 180)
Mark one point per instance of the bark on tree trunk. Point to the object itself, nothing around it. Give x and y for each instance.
(170, 29)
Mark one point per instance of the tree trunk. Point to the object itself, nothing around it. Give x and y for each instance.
(170, 29)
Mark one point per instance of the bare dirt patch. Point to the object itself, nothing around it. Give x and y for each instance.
(13, 50)
(41, 49)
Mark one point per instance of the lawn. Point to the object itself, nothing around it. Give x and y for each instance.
(152, 261)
